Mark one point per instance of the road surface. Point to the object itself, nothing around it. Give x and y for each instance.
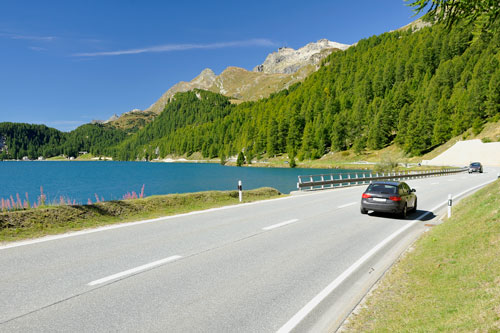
(296, 263)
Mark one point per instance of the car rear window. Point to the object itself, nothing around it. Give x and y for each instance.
(475, 164)
(383, 188)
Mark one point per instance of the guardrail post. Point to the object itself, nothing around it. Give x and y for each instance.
(349, 177)
(240, 190)
(331, 178)
(357, 183)
(312, 182)
(450, 203)
(322, 179)
(340, 177)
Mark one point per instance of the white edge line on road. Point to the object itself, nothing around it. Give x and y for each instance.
(134, 270)
(299, 316)
(277, 225)
(347, 205)
(130, 224)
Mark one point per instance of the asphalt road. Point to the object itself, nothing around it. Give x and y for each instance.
(290, 263)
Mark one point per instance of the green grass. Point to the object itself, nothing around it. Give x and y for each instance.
(450, 282)
(43, 221)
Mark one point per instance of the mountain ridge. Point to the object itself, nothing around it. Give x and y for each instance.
(276, 73)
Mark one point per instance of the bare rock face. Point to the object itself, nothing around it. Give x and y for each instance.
(287, 60)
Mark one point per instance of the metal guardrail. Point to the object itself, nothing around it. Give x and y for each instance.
(333, 180)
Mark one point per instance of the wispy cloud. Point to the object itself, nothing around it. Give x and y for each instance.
(64, 122)
(181, 47)
(38, 49)
(27, 37)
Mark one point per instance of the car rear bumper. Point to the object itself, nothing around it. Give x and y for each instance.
(386, 207)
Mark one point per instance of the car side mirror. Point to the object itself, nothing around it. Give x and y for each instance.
(413, 190)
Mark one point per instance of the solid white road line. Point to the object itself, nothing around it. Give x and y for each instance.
(299, 316)
(347, 205)
(134, 270)
(274, 226)
(434, 183)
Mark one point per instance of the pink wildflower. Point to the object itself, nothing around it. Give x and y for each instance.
(27, 199)
(89, 202)
(142, 191)
(42, 196)
(19, 202)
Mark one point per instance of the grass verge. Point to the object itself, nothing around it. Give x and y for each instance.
(449, 282)
(39, 222)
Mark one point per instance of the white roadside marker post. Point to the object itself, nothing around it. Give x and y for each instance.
(240, 190)
(450, 203)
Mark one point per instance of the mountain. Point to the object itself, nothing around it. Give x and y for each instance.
(413, 89)
(280, 70)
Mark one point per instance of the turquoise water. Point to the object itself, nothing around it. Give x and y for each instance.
(81, 181)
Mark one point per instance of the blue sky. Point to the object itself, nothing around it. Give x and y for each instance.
(64, 63)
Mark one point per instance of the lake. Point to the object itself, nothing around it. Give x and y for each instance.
(81, 181)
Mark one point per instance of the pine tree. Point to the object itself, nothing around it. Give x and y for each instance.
(241, 159)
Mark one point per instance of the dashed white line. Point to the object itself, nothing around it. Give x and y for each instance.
(134, 270)
(274, 226)
(347, 205)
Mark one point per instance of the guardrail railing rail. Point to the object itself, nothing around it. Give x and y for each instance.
(333, 180)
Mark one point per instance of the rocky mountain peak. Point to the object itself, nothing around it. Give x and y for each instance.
(287, 60)
(205, 78)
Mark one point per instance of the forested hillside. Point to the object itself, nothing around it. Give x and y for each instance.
(414, 89)
(186, 110)
(39, 140)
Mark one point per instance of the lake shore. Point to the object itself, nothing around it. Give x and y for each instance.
(51, 220)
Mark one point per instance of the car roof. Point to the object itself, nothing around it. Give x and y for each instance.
(387, 183)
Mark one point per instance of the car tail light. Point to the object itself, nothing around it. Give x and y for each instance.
(395, 198)
(366, 196)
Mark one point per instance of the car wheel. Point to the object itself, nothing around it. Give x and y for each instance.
(363, 211)
(404, 212)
